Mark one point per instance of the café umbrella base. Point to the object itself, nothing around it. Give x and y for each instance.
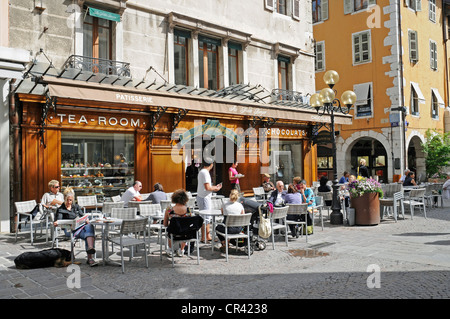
(367, 209)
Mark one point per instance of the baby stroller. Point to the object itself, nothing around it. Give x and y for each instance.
(253, 207)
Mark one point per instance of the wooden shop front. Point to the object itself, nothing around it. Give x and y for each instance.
(99, 138)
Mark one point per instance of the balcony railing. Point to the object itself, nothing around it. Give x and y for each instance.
(287, 95)
(97, 65)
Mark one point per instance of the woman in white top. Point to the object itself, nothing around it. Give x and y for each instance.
(230, 208)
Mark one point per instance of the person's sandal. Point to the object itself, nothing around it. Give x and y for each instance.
(92, 263)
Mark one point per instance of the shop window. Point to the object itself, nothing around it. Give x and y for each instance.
(97, 42)
(209, 62)
(181, 57)
(97, 163)
(286, 160)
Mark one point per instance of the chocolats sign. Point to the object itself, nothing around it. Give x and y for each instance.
(96, 120)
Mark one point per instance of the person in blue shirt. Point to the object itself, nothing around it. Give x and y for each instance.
(344, 178)
(307, 194)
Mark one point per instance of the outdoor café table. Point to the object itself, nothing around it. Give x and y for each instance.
(214, 213)
(105, 224)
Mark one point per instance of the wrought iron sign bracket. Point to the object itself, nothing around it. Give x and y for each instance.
(156, 116)
(50, 102)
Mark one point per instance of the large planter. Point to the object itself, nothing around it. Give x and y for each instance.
(367, 209)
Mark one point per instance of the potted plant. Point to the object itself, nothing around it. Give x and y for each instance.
(364, 198)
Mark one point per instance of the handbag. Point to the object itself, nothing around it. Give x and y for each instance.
(264, 228)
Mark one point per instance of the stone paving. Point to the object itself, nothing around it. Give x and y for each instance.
(407, 259)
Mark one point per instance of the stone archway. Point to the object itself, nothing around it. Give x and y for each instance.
(416, 155)
(344, 151)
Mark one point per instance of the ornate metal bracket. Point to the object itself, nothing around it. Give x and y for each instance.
(49, 103)
(156, 116)
(177, 118)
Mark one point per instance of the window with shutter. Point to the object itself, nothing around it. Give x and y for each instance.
(324, 10)
(320, 56)
(269, 4)
(361, 47)
(317, 10)
(433, 55)
(348, 6)
(432, 10)
(413, 46)
(434, 106)
(296, 9)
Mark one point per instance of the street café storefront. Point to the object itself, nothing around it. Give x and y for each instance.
(99, 138)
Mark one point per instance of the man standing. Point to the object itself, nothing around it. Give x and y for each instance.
(204, 194)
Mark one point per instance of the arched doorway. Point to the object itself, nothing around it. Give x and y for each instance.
(375, 155)
(416, 158)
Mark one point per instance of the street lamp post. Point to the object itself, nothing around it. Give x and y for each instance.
(329, 104)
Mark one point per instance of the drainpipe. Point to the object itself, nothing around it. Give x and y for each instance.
(15, 188)
(402, 91)
(445, 27)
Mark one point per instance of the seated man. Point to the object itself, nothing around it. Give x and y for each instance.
(277, 198)
(54, 197)
(157, 195)
(132, 193)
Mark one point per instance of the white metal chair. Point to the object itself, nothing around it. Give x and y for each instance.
(416, 198)
(318, 208)
(433, 191)
(59, 233)
(124, 213)
(396, 201)
(24, 209)
(298, 209)
(279, 213)
(89, 201)
(164, 204)
(116, 198)
(150, 211)
(259, 193)
(326, 197)
(129, 236)
(137, 204)
(108, 206)
(192, 202)
(242, 220)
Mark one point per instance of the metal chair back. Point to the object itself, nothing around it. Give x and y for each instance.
(238, 220)
(124, 213)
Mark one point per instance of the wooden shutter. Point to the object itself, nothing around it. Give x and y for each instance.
(371, 2)
(324, 10)
(348, 6)
(320, 56)
(269, 4)
(433, 55)
(418, 5)
(296, 9)
(413, 46)
(407, 3)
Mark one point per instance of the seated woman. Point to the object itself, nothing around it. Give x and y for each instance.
(179, 198)
(293, 197)
(70, 210)
(232, 207)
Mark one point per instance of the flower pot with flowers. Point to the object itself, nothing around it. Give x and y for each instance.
(364, 198)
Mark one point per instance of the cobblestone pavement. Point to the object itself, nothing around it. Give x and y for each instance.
(412, 256)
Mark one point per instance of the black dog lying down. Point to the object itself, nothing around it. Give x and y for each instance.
(55, 257)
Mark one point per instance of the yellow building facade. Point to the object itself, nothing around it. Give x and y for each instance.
(391, 53)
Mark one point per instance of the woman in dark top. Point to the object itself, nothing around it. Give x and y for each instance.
(409, 180)
(363, 170)
(324, 188)
(70, 210)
